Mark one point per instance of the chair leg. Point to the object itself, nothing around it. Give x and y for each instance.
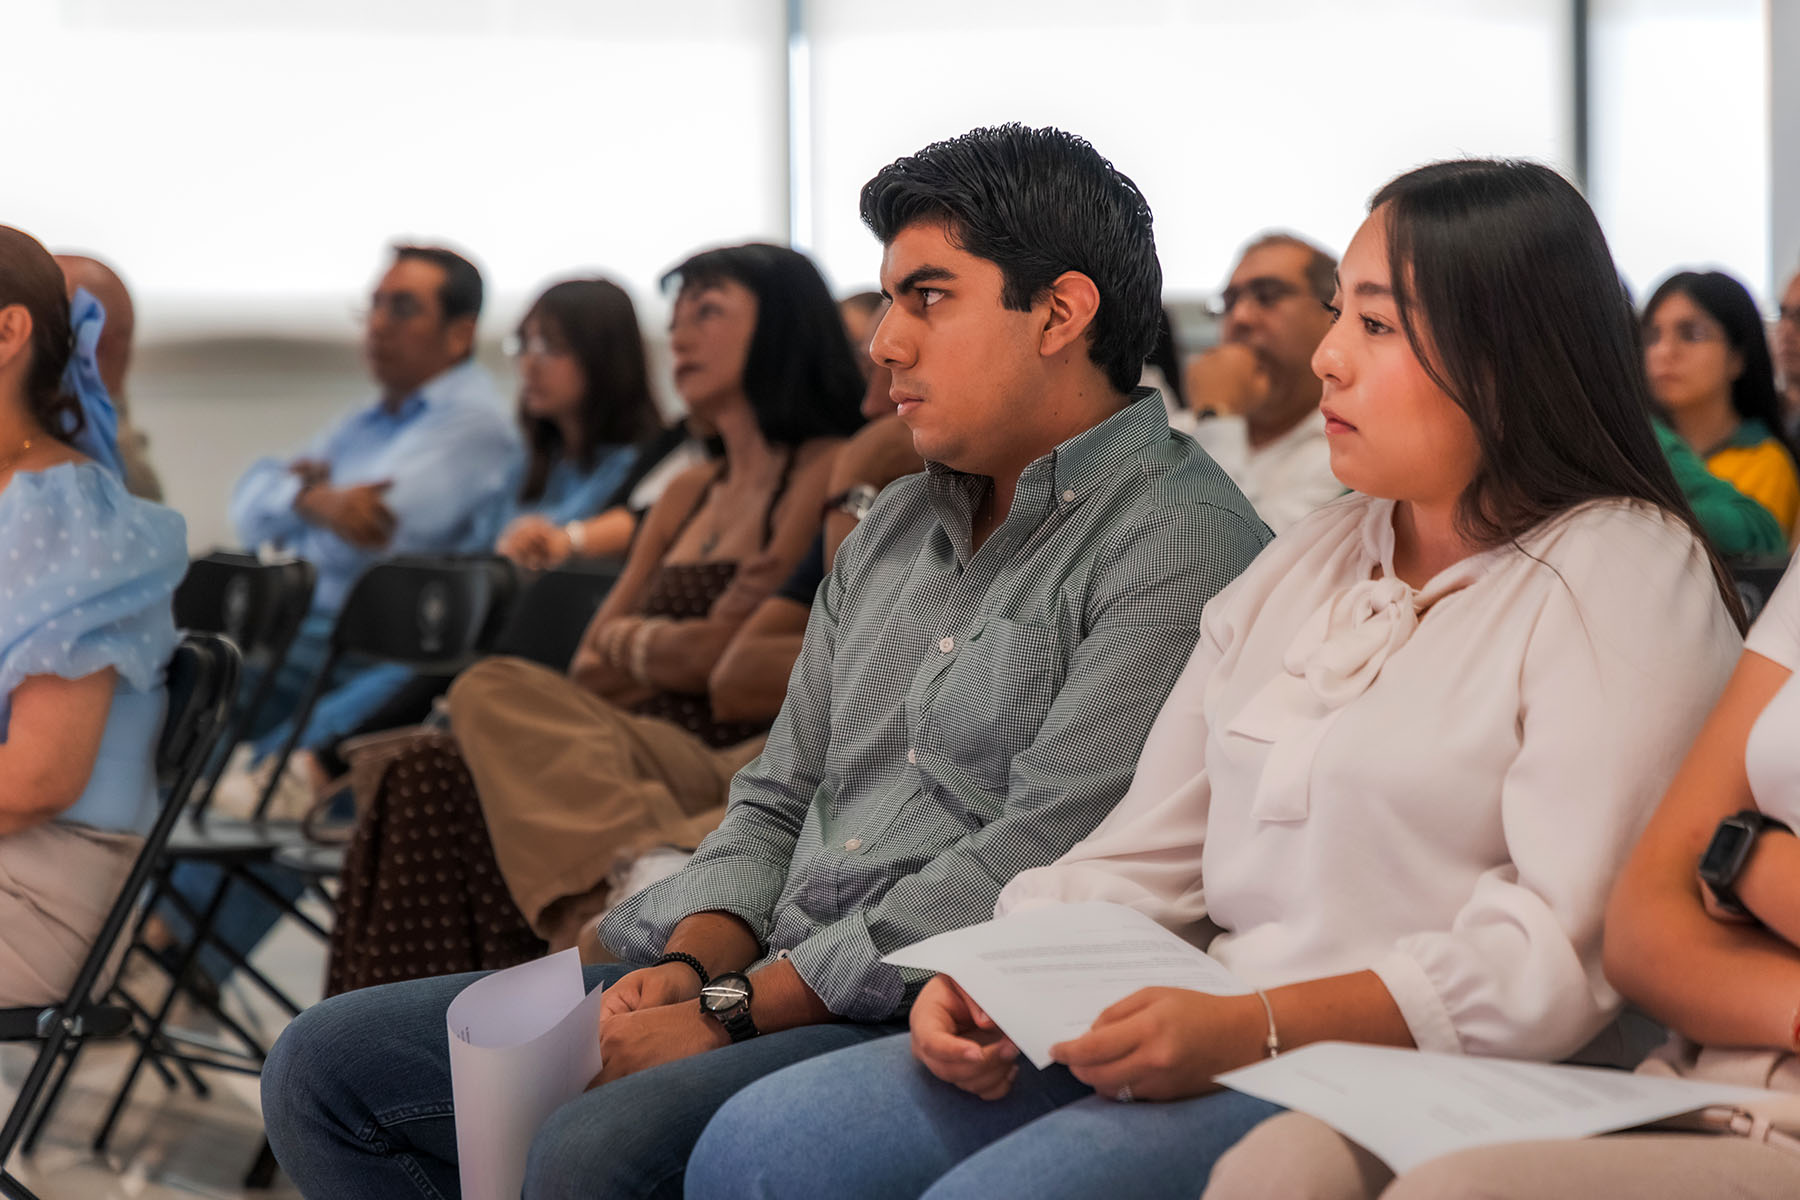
(148, 1041)
(12, 1189)
(261, 1175)
(53, 1094)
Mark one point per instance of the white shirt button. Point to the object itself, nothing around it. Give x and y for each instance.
(853, 845)
(912, 755)
(1069, 497)
(947, 645)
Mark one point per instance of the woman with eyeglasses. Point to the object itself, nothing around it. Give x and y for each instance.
(86, 576)
(1708, 361)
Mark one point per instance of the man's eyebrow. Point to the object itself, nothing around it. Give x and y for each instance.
(925, 274)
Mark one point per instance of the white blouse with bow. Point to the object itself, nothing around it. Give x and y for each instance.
(1438, 785)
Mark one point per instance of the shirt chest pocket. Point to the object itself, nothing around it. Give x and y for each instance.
(992, 700)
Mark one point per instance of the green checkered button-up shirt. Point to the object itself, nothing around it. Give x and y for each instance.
(956, 717)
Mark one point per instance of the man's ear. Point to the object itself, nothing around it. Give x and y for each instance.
(1074, 301)
(459, 336)
(15, 332)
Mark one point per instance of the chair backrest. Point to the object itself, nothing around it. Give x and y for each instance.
(432, 614)
(1756, 580)
(258, 605)
(202, 682)
(553, 611)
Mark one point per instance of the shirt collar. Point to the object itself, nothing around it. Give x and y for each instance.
(434, 391)
(1748, 435)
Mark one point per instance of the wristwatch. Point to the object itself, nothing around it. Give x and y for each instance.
(1729, 850)
(727, 1000)
(856, 501)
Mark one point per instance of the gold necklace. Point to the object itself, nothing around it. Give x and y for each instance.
(8, 463)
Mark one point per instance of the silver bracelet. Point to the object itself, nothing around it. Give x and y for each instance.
(577, 536)
(1272, 1043)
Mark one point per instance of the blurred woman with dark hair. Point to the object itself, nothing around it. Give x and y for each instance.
(1707, 356)
(85, 634)
(551, 779)
(585, 409)
(1411, 748)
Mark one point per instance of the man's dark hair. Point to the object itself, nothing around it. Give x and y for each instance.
(460, 296)
(799, 375)
(1037, 203)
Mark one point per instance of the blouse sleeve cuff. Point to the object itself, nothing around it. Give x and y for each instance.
(1419, 1002)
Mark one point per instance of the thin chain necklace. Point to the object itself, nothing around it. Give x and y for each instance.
(7, 464)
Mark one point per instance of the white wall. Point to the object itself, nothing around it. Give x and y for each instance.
(1231, 117)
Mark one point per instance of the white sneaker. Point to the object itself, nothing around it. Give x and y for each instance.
(241, 786)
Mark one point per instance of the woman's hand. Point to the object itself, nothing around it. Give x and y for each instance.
(959, 1043)
(534, 543)
(1165, 1043)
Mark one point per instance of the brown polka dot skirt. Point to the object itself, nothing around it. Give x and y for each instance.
(421, 894)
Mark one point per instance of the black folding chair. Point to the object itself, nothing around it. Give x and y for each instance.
(202, 682)
(1756, 579)
(260, 607)
(430, 614)
(553, 611)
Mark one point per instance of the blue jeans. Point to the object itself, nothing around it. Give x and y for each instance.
(871, 1122)
(357, 1102)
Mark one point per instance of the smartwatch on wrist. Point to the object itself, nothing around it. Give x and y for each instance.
(727, 1000)
(1729, 850)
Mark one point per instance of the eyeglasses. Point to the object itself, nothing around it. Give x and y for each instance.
(533, 347)
(1687, 333)
(401, 306)
(1263, 291)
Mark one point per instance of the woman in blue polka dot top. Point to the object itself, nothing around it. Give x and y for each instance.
(86, 576)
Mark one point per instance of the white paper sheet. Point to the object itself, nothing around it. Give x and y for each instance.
(1407, 1107)
(1044, 974)
(523, 1042)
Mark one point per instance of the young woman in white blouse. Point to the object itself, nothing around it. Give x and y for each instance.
(1703, 933)
(1411, 750)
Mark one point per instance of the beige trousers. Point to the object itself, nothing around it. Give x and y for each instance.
(1295, 1157)
(57, 882)
(571, 784)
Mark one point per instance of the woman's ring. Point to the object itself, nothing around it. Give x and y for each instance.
(1123, 1095)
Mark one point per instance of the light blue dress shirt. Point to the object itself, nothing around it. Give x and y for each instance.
(572, 494)
(87, 573)
(451, 453)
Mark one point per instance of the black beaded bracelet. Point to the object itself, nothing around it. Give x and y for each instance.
(677, 956)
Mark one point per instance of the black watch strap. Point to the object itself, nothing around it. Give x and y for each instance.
(1729, 852)
(676, 956)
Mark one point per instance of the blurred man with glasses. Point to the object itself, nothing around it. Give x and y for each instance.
(1786, 343)
(1258, 385)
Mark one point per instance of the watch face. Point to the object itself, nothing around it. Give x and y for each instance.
(1723, 856)
(725, 993)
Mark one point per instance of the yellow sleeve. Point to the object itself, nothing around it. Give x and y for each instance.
(1764, 473)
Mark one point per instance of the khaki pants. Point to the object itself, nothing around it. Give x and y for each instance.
(57, 883)
(571, 784)
(1296, 1157)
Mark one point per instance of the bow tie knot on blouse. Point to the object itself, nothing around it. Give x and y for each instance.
(1335, 657)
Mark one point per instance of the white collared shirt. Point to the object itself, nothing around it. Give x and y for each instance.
(1284, 480)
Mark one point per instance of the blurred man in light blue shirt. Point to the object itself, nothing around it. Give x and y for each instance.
(430, 468)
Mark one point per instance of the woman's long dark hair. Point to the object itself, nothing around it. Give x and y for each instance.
(1512, 303)
(592, 319)
(1725, 300)
(799, 375)
(29, 276)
